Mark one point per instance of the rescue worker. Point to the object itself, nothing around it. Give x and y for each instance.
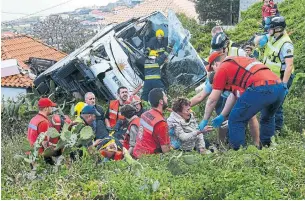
(218, 29)
(39, 124)
(133, 120)
(152, 73)
(87, 118)
(264, 92)
(220, 42)
(77, 110)
(278, 56)
(153, 135)
(113, 114)
(158, 43)
(99, 124)
(236, 93)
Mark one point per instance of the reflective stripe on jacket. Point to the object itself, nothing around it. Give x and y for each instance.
(144, 142)
(152, 70)
(246, 67)
(272, 51)
(114, 113)
(136, 122)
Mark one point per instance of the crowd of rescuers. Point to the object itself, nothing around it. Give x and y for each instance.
(238, 86)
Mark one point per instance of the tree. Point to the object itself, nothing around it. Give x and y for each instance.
(227, 11)
(64, 34)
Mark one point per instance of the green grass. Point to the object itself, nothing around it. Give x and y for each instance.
(274, 173)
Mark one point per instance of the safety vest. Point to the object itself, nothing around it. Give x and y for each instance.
(233, 51)
(272, 51)
(152, 70)
(144, 141)
(33, 127)
(114, 113)
(135, 121)
(248, 67)
(58, 121)
(33, 131)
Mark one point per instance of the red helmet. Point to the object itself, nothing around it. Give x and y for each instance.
(58, 121)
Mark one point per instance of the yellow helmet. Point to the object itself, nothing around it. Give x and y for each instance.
(78, 108)
(153, 53)
(159, 32)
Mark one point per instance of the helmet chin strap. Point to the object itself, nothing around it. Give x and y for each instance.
(281, 30)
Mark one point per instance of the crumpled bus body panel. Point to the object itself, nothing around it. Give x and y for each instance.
(115, 57)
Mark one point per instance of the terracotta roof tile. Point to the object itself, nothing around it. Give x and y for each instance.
(179, 6)
(22, 48)
(16, 81)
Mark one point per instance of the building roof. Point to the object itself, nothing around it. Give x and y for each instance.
(21, 48)
(179, 6)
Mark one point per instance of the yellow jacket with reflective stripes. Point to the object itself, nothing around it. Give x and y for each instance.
(272, 51)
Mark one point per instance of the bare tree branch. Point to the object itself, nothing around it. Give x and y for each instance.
(64, 34)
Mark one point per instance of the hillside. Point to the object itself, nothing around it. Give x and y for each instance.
(292, 10)
(272, 173)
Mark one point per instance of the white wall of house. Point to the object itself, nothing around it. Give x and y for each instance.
(12, 93)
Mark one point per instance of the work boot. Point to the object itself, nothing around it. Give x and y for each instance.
(264, 144)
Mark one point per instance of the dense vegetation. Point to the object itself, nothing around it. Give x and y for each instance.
(274, 173)
(225, 11)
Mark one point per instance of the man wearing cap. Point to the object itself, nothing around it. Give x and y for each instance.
(88, 116)
(99, 123)
(40, 123)
(264, 92)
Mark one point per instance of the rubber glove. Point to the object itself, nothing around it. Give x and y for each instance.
(208, 87)
(216, 123)
(203, 124)
(171, 132)
(286, 88)
(263, 41)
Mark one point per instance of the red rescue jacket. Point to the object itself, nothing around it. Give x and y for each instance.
(33, 129)
(136, 122)
(114, 113)
(145, 143)
(247, 67)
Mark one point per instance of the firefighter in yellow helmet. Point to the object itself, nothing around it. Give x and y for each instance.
(152, 72)
(77, 110)
(158, 43)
